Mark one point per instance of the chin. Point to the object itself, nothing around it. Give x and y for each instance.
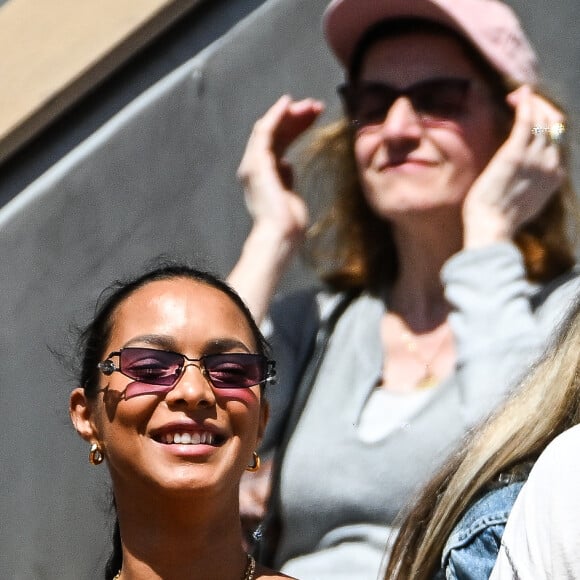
(408, 208)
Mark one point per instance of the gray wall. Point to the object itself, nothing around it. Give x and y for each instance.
(210, 19)
(157, 178)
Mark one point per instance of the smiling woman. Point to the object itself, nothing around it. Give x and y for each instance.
(171, 397)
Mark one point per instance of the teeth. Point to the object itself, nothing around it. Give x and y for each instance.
(188, 438)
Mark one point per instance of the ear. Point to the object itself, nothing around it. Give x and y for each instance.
(264, 416)
(81, 414)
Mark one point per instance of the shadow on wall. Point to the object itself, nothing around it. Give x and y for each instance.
(158, 178)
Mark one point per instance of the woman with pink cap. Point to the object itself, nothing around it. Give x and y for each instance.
(445, 259)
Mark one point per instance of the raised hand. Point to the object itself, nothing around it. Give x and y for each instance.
(280, 214)
(520, 178)
(267, 176)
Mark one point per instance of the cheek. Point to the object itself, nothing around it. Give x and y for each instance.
(244, 409)
(464, 159)
(481, 140)
(246, 396)
(127, 415)
(467, 167)
(464, 154)
(250, 397)
(364, 149)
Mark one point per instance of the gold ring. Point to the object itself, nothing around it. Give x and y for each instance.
(557, 133)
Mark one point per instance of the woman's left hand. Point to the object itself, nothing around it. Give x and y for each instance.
(520, 178)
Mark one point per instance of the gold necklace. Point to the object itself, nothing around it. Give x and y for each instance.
(249, 571)
(429, 378)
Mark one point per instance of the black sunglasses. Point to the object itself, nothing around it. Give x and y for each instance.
(158, 371)
(434, 100)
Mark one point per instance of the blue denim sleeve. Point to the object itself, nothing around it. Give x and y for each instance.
(475, 560)
(472, 548)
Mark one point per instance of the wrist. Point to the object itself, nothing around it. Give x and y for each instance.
(483, 228)
(275, 238)
(266, 253)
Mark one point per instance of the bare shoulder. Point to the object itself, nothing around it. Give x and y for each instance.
(263, 573)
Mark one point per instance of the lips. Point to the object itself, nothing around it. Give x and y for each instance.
(406, 161)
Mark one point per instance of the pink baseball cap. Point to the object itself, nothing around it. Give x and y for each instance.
(489, 25)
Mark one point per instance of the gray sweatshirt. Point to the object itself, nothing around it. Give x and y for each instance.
(339, 495)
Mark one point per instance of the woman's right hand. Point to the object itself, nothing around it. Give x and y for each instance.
(267, 176)
(280, 215)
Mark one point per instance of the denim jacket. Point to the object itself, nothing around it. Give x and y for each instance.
(473, 545)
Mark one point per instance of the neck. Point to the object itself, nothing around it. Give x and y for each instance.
(181, 540)
(417, 294)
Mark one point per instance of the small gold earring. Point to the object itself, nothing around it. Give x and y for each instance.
(256, 464)
(96, 455)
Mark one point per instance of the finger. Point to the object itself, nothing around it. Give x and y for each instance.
(540, 127)
(535, 117)
(517, 95)
(544, 153)
(260, 146)
(549, 128)
(550, 109)
(521, 134)
(265, 126)
(297, 118)
(548, 118)
(284, 122)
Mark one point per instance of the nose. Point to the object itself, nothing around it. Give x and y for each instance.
(402, 121)
(193, 388)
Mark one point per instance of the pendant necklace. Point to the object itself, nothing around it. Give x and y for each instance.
(429, 379)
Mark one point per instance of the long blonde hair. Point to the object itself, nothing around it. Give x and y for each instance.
(546, 403)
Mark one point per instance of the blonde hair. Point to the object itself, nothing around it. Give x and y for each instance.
(546, 404)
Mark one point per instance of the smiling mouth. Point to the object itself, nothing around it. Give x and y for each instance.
(408, 161)
(187, 438)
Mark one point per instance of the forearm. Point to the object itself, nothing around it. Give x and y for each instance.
(490, 296)
(497, 329)
(265, 257)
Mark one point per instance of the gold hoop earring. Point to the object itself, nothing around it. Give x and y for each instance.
(96, 455)
(256, 464)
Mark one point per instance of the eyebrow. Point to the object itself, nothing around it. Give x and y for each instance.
(159, 340)
(226, 343)
(165, 342)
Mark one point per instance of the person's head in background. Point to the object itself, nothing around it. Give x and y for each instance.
(171, 398)
(439, 83)
(545, 404)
